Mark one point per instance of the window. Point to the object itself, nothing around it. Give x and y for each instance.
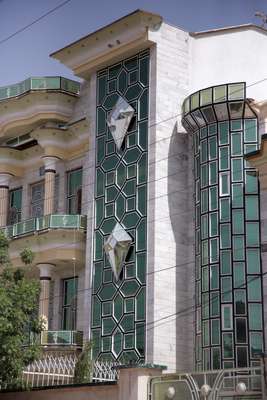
(14, 214)
(37, 199)
(69, 306)
(74, 191)
(224, 184)
(227, 317)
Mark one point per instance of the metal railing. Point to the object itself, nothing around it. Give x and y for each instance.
(62, 338)
(38, 224)
(42, 83)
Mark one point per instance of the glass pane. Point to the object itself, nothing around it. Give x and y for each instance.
(224, 157)
(251, 182)
(204, 175)
(241, 330)
(237, 146)
(224, 183)
(215, 331)
(206, 338)
(255, 316)
(252, 211)
(203, 151)
(225, 236)
(250, 128)
(223, 133)
(213, 172)
(213, 250)
(214, 277)
(226, 287)
(253, 261)
(213, 198)
(256, 344)
(213, 148)
(204, 226)
(254, 288)
(226, 262)
(252, 234)
(239, 274)
(237, 195)
(214, 304)
(227, 345)
(224, 210)
(238, 248)
(240, 302)
(213, 224)
(205, 279)
(227, 317)
(238, 221)
(204, 200)
(237, 169)
(242, 357)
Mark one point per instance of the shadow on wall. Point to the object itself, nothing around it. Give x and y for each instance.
(181, 208)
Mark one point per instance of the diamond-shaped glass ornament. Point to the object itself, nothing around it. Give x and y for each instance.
(116, 248)
(119, 119)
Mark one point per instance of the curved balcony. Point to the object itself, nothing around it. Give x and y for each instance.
(35, 101)
(57, 239)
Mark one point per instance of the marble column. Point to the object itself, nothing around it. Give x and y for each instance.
(4, 197)
(46, 271)
(50, 176)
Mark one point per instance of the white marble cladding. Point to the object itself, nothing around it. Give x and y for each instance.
(170, 284)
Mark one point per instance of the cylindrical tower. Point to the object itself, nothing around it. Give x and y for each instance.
(229, 324)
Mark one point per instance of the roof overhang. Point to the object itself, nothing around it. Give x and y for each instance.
(121, 38)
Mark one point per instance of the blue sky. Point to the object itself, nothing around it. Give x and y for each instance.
(27, 54)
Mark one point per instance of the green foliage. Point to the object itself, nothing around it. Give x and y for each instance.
(27, 256)
(84, 365)
(19, 325)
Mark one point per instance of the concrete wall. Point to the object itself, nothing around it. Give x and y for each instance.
(170, 286)
(230, 56)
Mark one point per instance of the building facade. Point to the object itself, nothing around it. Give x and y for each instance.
(134, 190)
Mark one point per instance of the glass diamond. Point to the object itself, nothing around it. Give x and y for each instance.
(119, 119)
(117, 247)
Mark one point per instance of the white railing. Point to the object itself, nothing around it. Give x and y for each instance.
(58, 369)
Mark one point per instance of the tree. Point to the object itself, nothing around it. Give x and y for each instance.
(84, 365)
(19, 298)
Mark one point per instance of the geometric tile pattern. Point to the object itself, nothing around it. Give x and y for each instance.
(229, 318)
(118, 305)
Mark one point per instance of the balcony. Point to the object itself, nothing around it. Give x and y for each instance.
(34, 102)
(57, 239)
(62, 338)
(36, 225)
(47, 83)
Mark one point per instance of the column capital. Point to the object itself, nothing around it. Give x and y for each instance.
(5, 179)
(50, 163)
(46, 271)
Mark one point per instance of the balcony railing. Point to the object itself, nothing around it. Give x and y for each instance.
(45, 83)
(54, 221)
(62, 338)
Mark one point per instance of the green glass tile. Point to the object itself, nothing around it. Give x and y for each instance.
(129, 188)
(121, 174)
(131, 171)
(219, 93)
(236, 91)
(142, 170)
(108, 225)
(110, 162)
(215, 331)
(109, 210)
(129, 288)
(112, 85)
(106, 343)
(96, 337)
(224, 209)
(254, 288)
(141, 236)
(239, 274)
(143, 105)
(131, 140)
(114, 71)
(237, 195)
(107, 276)
(107, 308)
(250, 130)
(127, 323)
(251, 182)
(252, 234)
(224, 157)
(101, 88)
(214, 304)
(99, 183)
(223, 133)
(98, 246)
(140, 338)
(256, 344)
(212, 148)
(107, 292)
(130, 219)
(106, 357)
(96, 319)
(238, 248)
(97, 278)
(255, 316)
(205, 279)
(122, 84)
(214, 277)
(236, 125)
(252, 207)
(129, 305)
(225, 233)
(111, 193)
(203, 151)
(110, 101)
(110, 148)
(129, 271)
(213, 172)
(213, 205)
(100, 150)
(132, 155)
(118, 307)
(141, 267)
(129, 341)
(133, 92)
(238, 221)
(133, 77)
(131, 63)
(108, 324)
(240, 302)
(237, 145)
(110, 178)
(225, 262)
(228, 345)
(130, 204)
(204, 226)
(117, 342)
(237, 169)
(129, 356)
(142, 134)
(253, 261)
(144, 71)
(99, 213)
(120, 206)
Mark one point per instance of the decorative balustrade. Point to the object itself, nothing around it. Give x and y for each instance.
(44, 83)
(38, 224)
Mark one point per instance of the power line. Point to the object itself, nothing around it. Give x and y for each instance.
(24, 28)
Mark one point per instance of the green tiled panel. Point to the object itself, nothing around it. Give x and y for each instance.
(118, 307)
